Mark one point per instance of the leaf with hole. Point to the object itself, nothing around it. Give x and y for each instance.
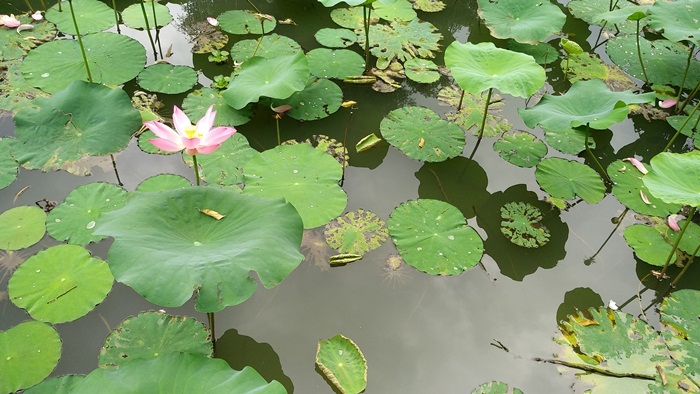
(521, 149)
(356, 232)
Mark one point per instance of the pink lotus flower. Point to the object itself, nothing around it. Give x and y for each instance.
(9, 21)
(673, 222)
(667, 103)
(37, 16)
(194, 139)
(212, 21)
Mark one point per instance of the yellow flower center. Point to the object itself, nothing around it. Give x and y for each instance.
(191, 132)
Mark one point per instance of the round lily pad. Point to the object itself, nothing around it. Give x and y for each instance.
(628, 189)
(163, 182)
(304, 176)
(527, 21)
(8, 164)
(153, 334)
(432, 236)
(21, 227)
(674, 178)
(245, 22)
(334, 63)
(648, 244)
(351, 18)
(566, 179)
(195, 105)
(133, 15)
(356, 232)
(54, 65)
(166, 78)
(271, 45)
(521, 149)
(319, 99)
(569, 140)
(336, 38)
(420, 134)
(74, 220)
(398, 10)
(421, 70)
(224, 165)
(60, 284)
(342, 362)
(522, 225)
(29, 352)
(212, 256)
(92, 16)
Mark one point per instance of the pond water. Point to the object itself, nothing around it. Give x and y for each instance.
(419, 333)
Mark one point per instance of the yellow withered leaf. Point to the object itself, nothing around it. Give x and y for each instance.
(421, 143)
(212, 213)
(348, 104)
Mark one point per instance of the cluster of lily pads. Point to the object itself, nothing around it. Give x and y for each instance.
(172, 239)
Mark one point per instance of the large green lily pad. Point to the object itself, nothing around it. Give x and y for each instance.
(356, 232)
(177, 373)
(527, 21)
(186, 249)
(278, 77)
(29, 352)
(648, 244)
(92, 16)
(483, 66)
(166, 78)
(673, 178)
(153, 334)
(113, 59)
(224, 165)
(679, 317)
(521, 149)
(566, 179)
(432, 236)
(60, 284)
(74, 219)
(422, 135)
(72, 123)
(319, 99)
(21, 227)
(58, 385)
(341, 360)
(245, 22)
(306, 177)
(133, 15)
(8, 164)
(195, 105)
(334, 63)
(628, 189)
(522, 225)
(402, 40)
(269, 46)
(677, 20)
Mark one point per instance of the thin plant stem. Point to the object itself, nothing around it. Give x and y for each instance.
(116, 15)
(687, 119)
(30, 8)
(639, 55)
(196, 169)
(262, 28)
(80, 41)
(618, 219)
(483, 123)
(600, 33)
(595, 159)
(253, 5)
(155, 22)
(114, 164)
(685, 73)
(678, 240)
(690, 97)
(366, 12)
(60, 6)
(43, 5)
(210, 318)
(148, 30)
(461, 98)
(687, 265)
(277, 122)
(345, 141)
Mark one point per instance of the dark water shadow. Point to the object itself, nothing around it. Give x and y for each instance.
(514, 261)
(240, 351)
(578, 299)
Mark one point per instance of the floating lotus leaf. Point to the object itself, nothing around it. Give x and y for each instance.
(679, 315)
(177, 373)
(196, 104)
(133, 15)
(245, 22)
(521, 149)
(278, 78)
(648, 244)
(153, 334)
(59, 385)
(306, 177)
(21, 227)
(483, 66)
(334, 63)
(673, 178)
(224, 165)
(496, 388)
(164, 182)
(351, 18)
(403, 40)
(54, 65)
(73, 220)
(205, 37)
(433, 237)
(15, 45)
(72, 123)
(272, 45)
(60, 284)
(527, 21)
(690, 240)
(428, 5)
(213, 257)
(8, 164)
(336, 38)
(166, 78)
(325, 144)
(400, 10)
(15, 92)
(356, 232)
(576, 108)
(92, 16)
(420, 134)
(319, 99)
(543, 53)
(421, 70)
(342, 362)
(568, 140)
(472, 112)
(591, 11)
(586, 66)
(566, 179)
(522, 225)
(628, 189)
(29, 352)
(677, 21)
(664, 61)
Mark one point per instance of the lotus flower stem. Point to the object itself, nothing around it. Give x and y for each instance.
(366, 13)
(210, 317)
(253, 5)
(148, 30)
(277, 122)
(639, 55)
(60, 8)
(600, 32)
(690, 97)
(685, 73)
(29, 6)
(155, 22)
(196, 175)
(595, 159)
(687, 119)
(617, 220)
(116, 15)
(345, 144)
(43, 5)
(678, 240)
(483, 123)
(687, 265)
(461, 99)
(80, 41)
(262, 28)
(114, 164)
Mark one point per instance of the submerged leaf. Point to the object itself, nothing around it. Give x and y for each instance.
(356, 232)
(521, 225)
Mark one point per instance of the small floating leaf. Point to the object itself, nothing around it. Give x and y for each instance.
(356, 232)
(367, 142)
(166, 78)
(496, 388)
(133, 15)
(21, 227)
(163, 182)
(648, 244)
(245, 22)
(29, 352)
(343, 363)
(336, 38)
(421, 70)
(521, 149)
